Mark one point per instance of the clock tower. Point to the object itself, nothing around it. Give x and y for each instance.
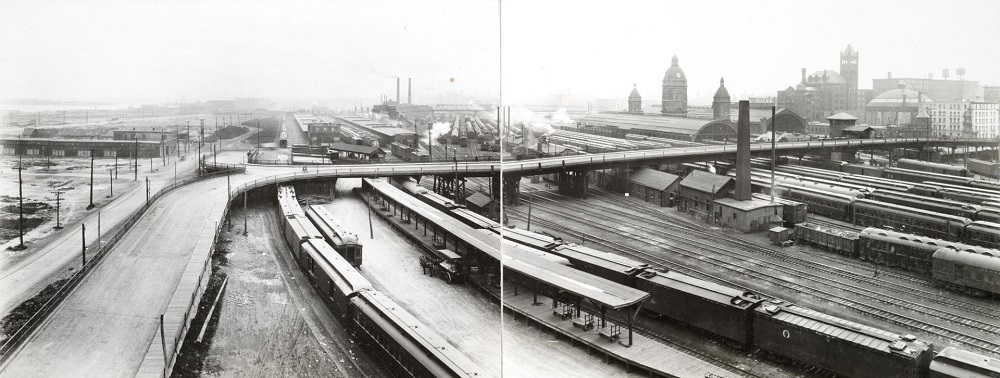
(674, 100)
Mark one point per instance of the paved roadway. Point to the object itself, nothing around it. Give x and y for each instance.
(25, 278)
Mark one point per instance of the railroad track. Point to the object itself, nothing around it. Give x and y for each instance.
(694, 242)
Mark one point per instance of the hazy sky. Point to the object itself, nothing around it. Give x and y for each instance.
(126, 51)
(143, 51)
(758, 46)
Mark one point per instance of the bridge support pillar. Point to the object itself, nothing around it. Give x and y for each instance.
(495, 191)
(450, 187)
(573, 183)
(511, 190)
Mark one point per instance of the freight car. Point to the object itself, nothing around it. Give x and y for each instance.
(926, 166)
(403, 343)
(840, 241)
(923, 222)
(951, 362)
(975, 271)
(838, 345)
(345, 243)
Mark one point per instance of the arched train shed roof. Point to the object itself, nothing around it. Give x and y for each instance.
(658, 125)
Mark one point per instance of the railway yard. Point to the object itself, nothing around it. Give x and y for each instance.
(332, 270)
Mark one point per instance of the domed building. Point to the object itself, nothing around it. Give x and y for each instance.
(721, 102)
(674, 100)
(898, 107)
(634, 101)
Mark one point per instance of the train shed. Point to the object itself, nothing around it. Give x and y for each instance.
(482, 259)
(680, 128)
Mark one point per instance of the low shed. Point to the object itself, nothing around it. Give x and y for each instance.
(747, 216)
(653, 186)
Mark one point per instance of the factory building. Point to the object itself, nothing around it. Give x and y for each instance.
(57, 148)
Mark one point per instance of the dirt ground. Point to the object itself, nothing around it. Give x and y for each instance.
(70, 176)
(270, 322)
(459, 313)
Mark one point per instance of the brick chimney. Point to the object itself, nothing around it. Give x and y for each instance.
(743, 192)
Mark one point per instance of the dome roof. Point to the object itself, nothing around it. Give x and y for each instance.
(896, 97)
(635, 93)
(831, 76)
(722, 94)
(675, 75)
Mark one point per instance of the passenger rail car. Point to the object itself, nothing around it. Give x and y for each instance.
(938, 205)
(838, 345)
(975, 271)
(335, 279)
(911, 252)
(833, 205)
(921, 176)
(990, 194)
(983, 233)
(951, 362)
(403, 343)
(344, 242)
(923, 222)
(926, 166)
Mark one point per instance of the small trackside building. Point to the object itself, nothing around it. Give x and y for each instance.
(654, 186)
(699, 190)
(747, 216)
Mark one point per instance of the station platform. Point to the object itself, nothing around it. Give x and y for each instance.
(645, 354)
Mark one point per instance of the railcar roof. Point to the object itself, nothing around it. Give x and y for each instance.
(985, 258)
(915, 211)
(834, 327)
(943, 362)
(338, 268)
(704, 289)
(583, 284)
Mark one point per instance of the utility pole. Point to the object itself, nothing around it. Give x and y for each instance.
(111, 179)
(91, 206)
(58, 225)
(147, 188)
(258, 135)
(83, 242)
(116, 164)
(774, 158)
(531, 198)
(136, 156)
(371, 231)
(20, 202)
(188, 137)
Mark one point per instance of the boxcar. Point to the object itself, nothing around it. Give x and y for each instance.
(332, 276)
(841, 241)
(345, 243)
(402, 343)
(983, 233)
(721, 310)
(951, 362)
(983, 167)
(838, 345)
(910, 252)
(864, 170)
(975, 271)
(909, 219)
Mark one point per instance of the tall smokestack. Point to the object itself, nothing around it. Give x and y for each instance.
(803, 74)
(743, 192)
(397, 91)
(409, 90)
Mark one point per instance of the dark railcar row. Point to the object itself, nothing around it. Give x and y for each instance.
(343, 241)
(959, 266)
(740, 317)
(926, 166)
(403, 344)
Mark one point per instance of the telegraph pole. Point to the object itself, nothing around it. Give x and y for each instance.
(774, 158)
(111, 177)
(91, 206)
(58, 225)
(20, 202)
(136, 166)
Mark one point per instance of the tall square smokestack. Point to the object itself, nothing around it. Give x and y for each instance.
(409, 90)
(743, 192)
(397, 91)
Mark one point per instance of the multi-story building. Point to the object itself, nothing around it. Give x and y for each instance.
(937, 90)
(898, 107)
(825, 92)
(965, 119)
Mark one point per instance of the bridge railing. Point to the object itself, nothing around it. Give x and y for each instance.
(102, 249)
